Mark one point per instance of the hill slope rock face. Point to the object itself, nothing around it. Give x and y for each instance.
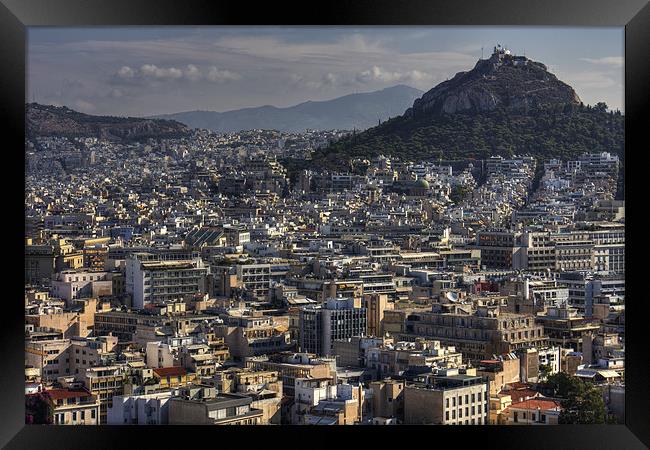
(47, 120)
(505, 105)
(502, 80)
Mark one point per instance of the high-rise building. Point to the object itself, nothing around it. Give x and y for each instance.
(338, 318)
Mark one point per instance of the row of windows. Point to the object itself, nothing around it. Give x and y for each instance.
(467, 414)
(474, 397)
(60, 417)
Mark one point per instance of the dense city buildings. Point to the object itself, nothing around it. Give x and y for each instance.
(223, 278)
(190, 298)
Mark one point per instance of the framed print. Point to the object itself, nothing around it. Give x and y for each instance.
(397, 215)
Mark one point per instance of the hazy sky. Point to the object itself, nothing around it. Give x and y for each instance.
(154, 70)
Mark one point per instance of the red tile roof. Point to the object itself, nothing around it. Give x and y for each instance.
(519, 395)
(170, 371)
(543, 404)
(57, 394)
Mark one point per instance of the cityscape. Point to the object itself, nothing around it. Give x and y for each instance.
(453, 256)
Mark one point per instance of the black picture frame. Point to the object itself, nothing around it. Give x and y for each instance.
(16, 15)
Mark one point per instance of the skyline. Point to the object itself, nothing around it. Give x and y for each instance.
(141, 71)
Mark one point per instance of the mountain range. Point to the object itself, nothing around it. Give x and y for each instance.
(354, 111)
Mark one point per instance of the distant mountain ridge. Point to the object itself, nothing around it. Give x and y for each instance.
(49, 120)
(360, 111)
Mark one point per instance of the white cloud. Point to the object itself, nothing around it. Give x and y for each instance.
(378, 74)
(126, 72)
(221, 76)
(151, 73)
(192, 73)
(613, 61)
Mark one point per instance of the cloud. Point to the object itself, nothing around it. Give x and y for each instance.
(613, 61)
(378, 74)
(125, 72)
(192, 73)
(152, 74)
(221, 76)
(159, 73)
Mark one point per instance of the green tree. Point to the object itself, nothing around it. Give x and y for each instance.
(582, 403)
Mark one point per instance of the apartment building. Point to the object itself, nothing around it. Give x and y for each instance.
(150, 280)
(451, 399)
(338, 318)
(203, 406)
(481, 334)
(75, 284)
(73, 406)
(392, 360)
(253, 335)
(105, 382)
(140, 409)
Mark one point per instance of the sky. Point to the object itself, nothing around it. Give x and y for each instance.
(141, 71)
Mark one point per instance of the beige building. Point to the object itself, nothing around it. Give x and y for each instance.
(388, 398)
(73, 407)
(499, 372)
(376, 305)
(477, 334)
(104, 383)
(77, 323)
(392, 359)
(458, 399)
(536, 411)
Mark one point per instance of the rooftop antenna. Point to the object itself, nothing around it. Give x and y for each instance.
(481, 52)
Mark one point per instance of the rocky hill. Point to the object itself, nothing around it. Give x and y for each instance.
(505, 105)
(48, 120)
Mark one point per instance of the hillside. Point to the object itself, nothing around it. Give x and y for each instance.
(503, 106)
(358, 111)
(47, 120)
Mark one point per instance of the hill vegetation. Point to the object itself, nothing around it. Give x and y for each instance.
(48, 120)
(553, 131)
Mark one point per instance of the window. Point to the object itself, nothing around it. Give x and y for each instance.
(92, 414)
